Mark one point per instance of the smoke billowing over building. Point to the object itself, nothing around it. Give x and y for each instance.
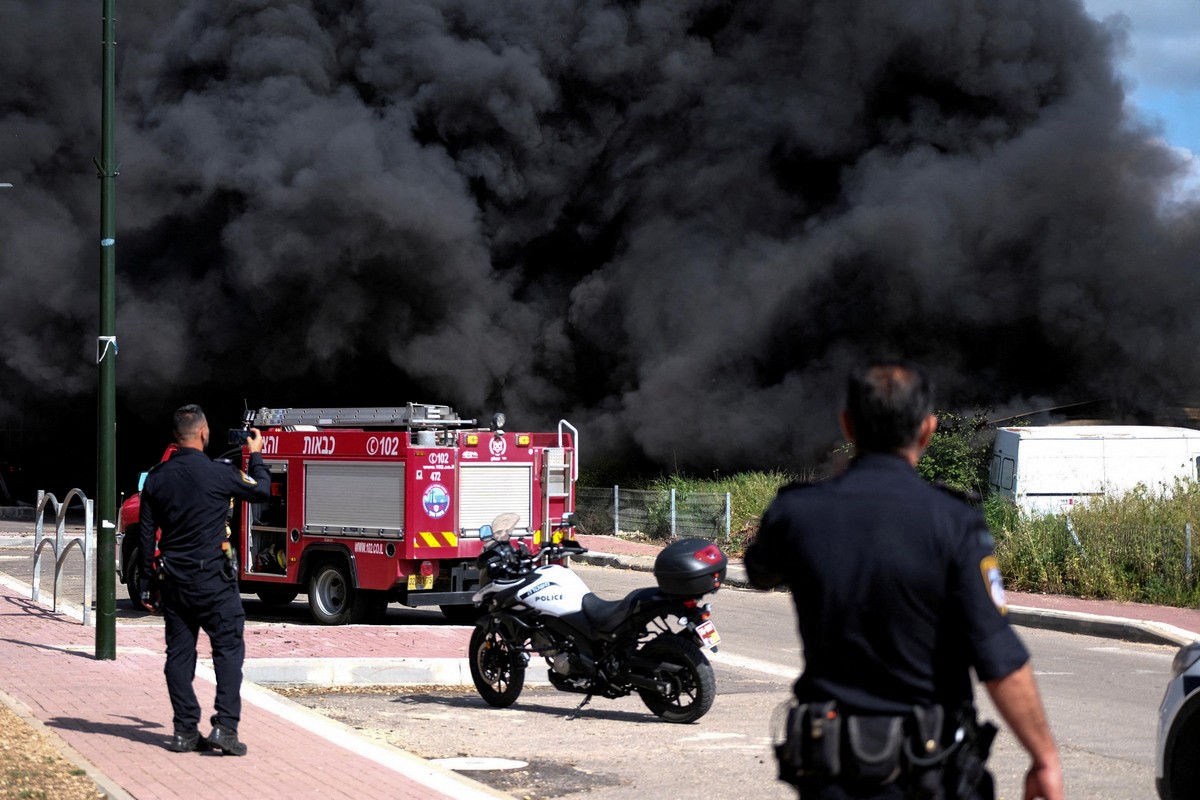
(673, 222)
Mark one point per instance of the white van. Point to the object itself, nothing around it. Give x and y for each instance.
(1047, 470)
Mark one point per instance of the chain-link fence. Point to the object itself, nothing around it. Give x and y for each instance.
(657, 514)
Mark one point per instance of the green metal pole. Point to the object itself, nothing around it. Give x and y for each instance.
(106, 360)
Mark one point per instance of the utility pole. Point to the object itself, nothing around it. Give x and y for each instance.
(106, 361)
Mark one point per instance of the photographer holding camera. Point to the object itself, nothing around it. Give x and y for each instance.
(187, 497)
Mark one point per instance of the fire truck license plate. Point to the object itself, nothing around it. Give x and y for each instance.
(708, 634)
(420, 581)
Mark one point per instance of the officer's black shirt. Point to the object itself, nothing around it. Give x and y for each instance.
(895, 585)
(187, 497)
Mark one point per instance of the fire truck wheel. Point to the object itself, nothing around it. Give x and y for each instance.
(332, 598)
(277, 596)
(133, 573)
(498, 671)
(461, 614)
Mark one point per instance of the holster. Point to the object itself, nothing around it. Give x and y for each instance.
(229, 565)
(967, 775)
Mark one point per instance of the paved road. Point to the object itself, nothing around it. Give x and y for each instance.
(1101, 697)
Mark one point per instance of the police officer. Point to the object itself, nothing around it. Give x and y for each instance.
(187, 498)
(898, 596)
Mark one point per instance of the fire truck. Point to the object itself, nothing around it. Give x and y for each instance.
(377, 505)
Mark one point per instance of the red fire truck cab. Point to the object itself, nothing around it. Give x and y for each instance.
(377, 505)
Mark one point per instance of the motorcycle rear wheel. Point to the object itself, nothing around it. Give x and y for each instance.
(693, 685)
(498, 670)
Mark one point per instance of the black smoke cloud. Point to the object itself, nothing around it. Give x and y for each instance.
(674, 223)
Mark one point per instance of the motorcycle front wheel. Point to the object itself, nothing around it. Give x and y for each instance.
(497, 669)
(688, 674)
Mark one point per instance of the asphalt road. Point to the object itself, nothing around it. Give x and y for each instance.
(1101, 697)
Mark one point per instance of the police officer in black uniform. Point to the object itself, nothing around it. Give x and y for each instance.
(187, 498)
(898, 596)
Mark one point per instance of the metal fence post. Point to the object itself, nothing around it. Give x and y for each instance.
(1074, 536)
(673, 535)
(616, 510)
(728, 514)
(1187, 553)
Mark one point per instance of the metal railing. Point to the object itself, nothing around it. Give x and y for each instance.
(665, 514)
(60, 545)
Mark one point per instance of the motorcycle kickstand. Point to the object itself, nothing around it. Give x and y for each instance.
(579, 708)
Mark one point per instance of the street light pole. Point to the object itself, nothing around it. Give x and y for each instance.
(106, 361)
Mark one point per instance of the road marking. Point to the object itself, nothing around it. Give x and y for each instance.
(755, 665)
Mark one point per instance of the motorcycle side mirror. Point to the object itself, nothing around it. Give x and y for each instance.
(142, 480)
(485, 532)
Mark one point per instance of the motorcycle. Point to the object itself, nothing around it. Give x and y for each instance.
(651, 642)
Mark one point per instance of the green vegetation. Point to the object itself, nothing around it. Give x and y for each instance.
(960, 451)
(1132, 547)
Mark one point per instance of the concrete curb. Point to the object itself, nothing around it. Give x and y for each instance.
(331, 672)
(1142, 631)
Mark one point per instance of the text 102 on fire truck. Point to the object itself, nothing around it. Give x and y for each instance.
(377, 505)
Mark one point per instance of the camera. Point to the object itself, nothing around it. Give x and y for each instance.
(239, 437)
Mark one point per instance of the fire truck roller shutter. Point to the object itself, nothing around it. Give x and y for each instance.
(344, 497)
(486, 490)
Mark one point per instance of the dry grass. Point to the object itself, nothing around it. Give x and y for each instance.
(33, 768)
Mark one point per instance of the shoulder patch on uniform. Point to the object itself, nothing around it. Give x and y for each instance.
(989, 568)
(246, 478)
(972, 498)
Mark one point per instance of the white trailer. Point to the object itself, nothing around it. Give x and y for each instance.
(1047, 470)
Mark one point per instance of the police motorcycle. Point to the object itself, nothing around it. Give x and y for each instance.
(650, 642)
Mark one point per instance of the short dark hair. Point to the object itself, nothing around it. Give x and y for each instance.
(887, 402)
(188, 420)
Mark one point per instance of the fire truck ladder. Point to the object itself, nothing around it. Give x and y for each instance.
(411, 416)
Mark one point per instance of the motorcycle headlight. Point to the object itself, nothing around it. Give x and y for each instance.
(1188, 655)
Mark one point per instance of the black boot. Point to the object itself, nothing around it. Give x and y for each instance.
(224, 740)
(187, 742)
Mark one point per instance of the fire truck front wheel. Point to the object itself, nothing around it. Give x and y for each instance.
(132, 563)
(332, 598)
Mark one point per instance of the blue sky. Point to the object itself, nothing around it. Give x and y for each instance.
(1162, 65)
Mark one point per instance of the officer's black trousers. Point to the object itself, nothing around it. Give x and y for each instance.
(213, 604)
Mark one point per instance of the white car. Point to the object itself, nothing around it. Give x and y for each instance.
(1177, 763)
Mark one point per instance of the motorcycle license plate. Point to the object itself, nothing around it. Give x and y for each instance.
(420, 581)
(707, 632)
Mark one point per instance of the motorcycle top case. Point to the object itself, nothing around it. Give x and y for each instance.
(690, 567)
